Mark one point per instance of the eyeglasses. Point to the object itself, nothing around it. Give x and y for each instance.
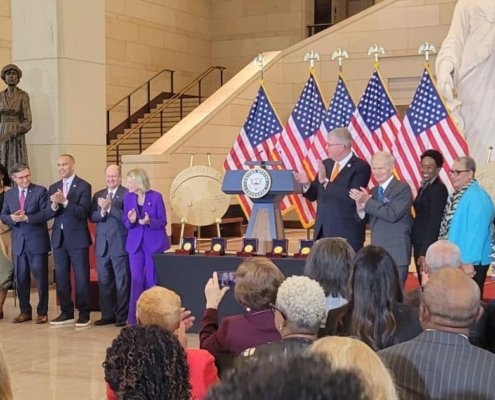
(457, 172)
(334, 144)
(275, 308)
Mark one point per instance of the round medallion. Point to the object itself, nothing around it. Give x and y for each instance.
(256, 183)
(278, 250)
(305, 250)
(217, 247)
(248, 249)
(187, 246)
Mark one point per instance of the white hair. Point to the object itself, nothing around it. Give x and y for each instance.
(442, 254)
(302, 300)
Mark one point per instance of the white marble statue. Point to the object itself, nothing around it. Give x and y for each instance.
(466, 62)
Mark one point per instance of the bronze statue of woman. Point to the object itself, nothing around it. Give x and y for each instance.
(15, 118)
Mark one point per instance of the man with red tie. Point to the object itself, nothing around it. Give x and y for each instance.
(26, 210)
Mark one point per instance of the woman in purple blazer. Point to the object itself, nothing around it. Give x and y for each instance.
(145, 218)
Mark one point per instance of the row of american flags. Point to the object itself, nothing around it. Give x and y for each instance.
(374, 124)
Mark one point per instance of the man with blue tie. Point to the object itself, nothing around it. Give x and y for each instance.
(71, 205)
(112, 259)
(388, 208)
(26, 210)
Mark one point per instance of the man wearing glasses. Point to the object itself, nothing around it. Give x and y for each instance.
(340, 172)
(468, 218)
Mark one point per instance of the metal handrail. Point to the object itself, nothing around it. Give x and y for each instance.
(164, 106)
(316, 28)
(128, 97)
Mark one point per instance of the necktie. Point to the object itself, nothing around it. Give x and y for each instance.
(22, 199)
(110, 196)
(380, 193)
(66, 188)
(335, 172)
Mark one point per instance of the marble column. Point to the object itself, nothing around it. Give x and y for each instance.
(60, 47)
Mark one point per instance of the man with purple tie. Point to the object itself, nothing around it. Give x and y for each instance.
(26, 210)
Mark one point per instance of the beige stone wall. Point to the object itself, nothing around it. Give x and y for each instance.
(240, 29)
(399, 25)
(5, 33)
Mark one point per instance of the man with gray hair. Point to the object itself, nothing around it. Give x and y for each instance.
(441, 254)
(340, 172)
(440, 363)
(388, 209)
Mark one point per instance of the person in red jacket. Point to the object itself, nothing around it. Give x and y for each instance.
(162, 307)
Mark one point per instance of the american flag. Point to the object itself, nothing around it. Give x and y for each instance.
(338, 115)
(256, 141)
(297, 136)
(375, 123)
(427, 125)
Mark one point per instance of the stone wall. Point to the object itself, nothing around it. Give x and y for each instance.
(5, 32)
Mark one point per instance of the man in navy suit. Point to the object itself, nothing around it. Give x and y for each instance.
(340, 172)
(71, 204)
(26, 210)
(111, 257)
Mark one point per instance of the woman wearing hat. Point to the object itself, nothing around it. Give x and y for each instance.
(15, 118)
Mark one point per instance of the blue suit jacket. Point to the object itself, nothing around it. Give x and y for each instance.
(32, 235)
(336, 212)
(152, 237)
(74, 217)
(111, 233)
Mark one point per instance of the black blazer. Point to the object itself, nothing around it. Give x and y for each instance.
(111, 233)
(428, 206)
(74, 217)
(336, 212)
(32, 235)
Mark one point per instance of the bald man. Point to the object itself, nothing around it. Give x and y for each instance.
(112, 260)
(440, 363)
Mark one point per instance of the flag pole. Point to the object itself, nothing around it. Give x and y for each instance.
(312, 56)
(376, 50)
(340, 55)
(426, 49)
(259, 60)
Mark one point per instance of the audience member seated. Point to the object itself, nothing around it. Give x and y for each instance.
(147, 362)
(329, 263)
(257, 282)
(440, 363)
(351, 354)
(445, 254)
(162, 307)
(377, 316)
(299, 312)
(5, 388)
(297, 377)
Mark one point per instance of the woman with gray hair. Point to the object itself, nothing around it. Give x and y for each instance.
(298, 313)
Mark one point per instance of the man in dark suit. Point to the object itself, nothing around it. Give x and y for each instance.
(428, 206)
(440, 363)
(26, 210)
(111, 257)
(340, 172)
(71, 204)
(388, 209)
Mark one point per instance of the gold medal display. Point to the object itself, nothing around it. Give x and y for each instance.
(187, 246)
(249, 248)
(305, 250)
(217, 247)
(278, 250)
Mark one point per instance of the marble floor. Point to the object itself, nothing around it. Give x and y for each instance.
(56, 363)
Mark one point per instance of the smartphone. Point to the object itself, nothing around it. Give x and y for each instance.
(226, 278)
